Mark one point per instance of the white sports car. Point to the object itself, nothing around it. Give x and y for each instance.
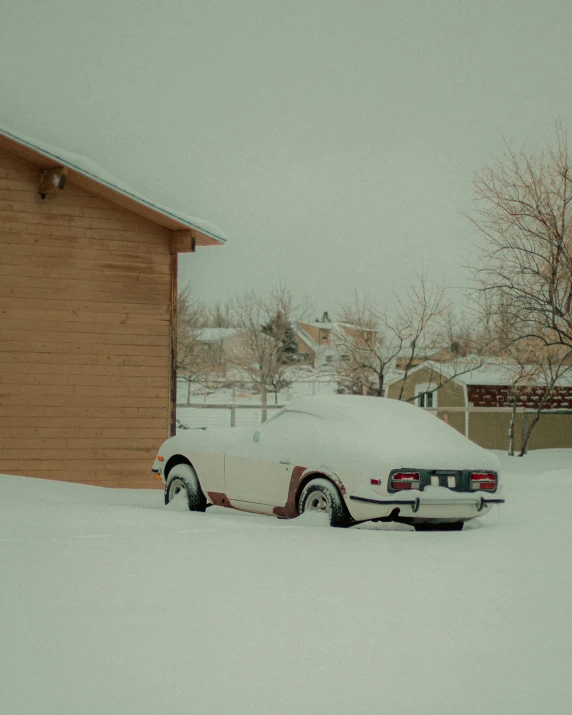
(354, 458)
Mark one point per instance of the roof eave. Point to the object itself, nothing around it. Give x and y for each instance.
(118, 195)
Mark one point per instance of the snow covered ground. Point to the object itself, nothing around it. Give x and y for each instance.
(112, 603)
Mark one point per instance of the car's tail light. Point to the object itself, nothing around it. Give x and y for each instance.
(404, 480)
(483, 480)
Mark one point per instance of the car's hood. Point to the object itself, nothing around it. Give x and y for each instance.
(210, 440)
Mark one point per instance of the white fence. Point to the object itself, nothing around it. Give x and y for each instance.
(225, 391)
(224, 405)
(197, 415)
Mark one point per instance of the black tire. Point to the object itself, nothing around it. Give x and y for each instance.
(183, 477)
(446, 526)
(321, 495)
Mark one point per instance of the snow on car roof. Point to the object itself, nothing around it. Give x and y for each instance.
(354, 408)
(409, 433)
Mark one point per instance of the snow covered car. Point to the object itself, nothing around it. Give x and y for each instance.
(354, 458)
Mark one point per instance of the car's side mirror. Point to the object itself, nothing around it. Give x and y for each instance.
(256, 437)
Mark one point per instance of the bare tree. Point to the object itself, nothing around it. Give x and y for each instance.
(374, 339)
(365, 354)
(552, 365)
(193, 362)
(533, 373)
(532, 365)
(219, 315)
(521, 375)
(419, 322)
(264, 324)
(463, 335)
(524, 211)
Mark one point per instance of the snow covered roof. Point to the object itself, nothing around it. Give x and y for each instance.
(89, 175)
(213, 335)
(303, 335)
(331, 325)
(492, 372)
(392, 376)
(406, 352)
(357, 327)
(321, 325)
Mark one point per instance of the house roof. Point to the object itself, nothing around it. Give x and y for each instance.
(406, 352)
(318, 324)
(303, 335)
(357, 327)
(85, 173)
(333, 325)
(492, 372)
(214, 335)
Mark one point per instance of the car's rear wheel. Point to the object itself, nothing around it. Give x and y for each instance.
(321, 496)
(182, 479)
(445, 526)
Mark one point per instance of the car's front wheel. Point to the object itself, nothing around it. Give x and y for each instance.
(182, 479)
(320, 495)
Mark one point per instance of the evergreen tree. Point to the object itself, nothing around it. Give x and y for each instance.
(280, 328)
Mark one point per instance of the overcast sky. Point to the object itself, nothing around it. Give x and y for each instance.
(334, 143)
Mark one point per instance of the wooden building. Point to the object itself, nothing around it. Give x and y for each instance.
(488, 389)
(88, 304)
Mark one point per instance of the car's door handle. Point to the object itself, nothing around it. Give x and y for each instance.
(284, 462)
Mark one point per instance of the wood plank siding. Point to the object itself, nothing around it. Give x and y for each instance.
(85, 334)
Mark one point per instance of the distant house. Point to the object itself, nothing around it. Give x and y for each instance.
(487, 385)
(319, 344)
(88, 320)
(308, 347)
(322, 343)
(218, 345)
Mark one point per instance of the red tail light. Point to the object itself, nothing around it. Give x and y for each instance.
(483, 481)
(405, 480)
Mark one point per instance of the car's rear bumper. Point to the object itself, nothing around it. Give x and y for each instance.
(433, 503)
(420, 503)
